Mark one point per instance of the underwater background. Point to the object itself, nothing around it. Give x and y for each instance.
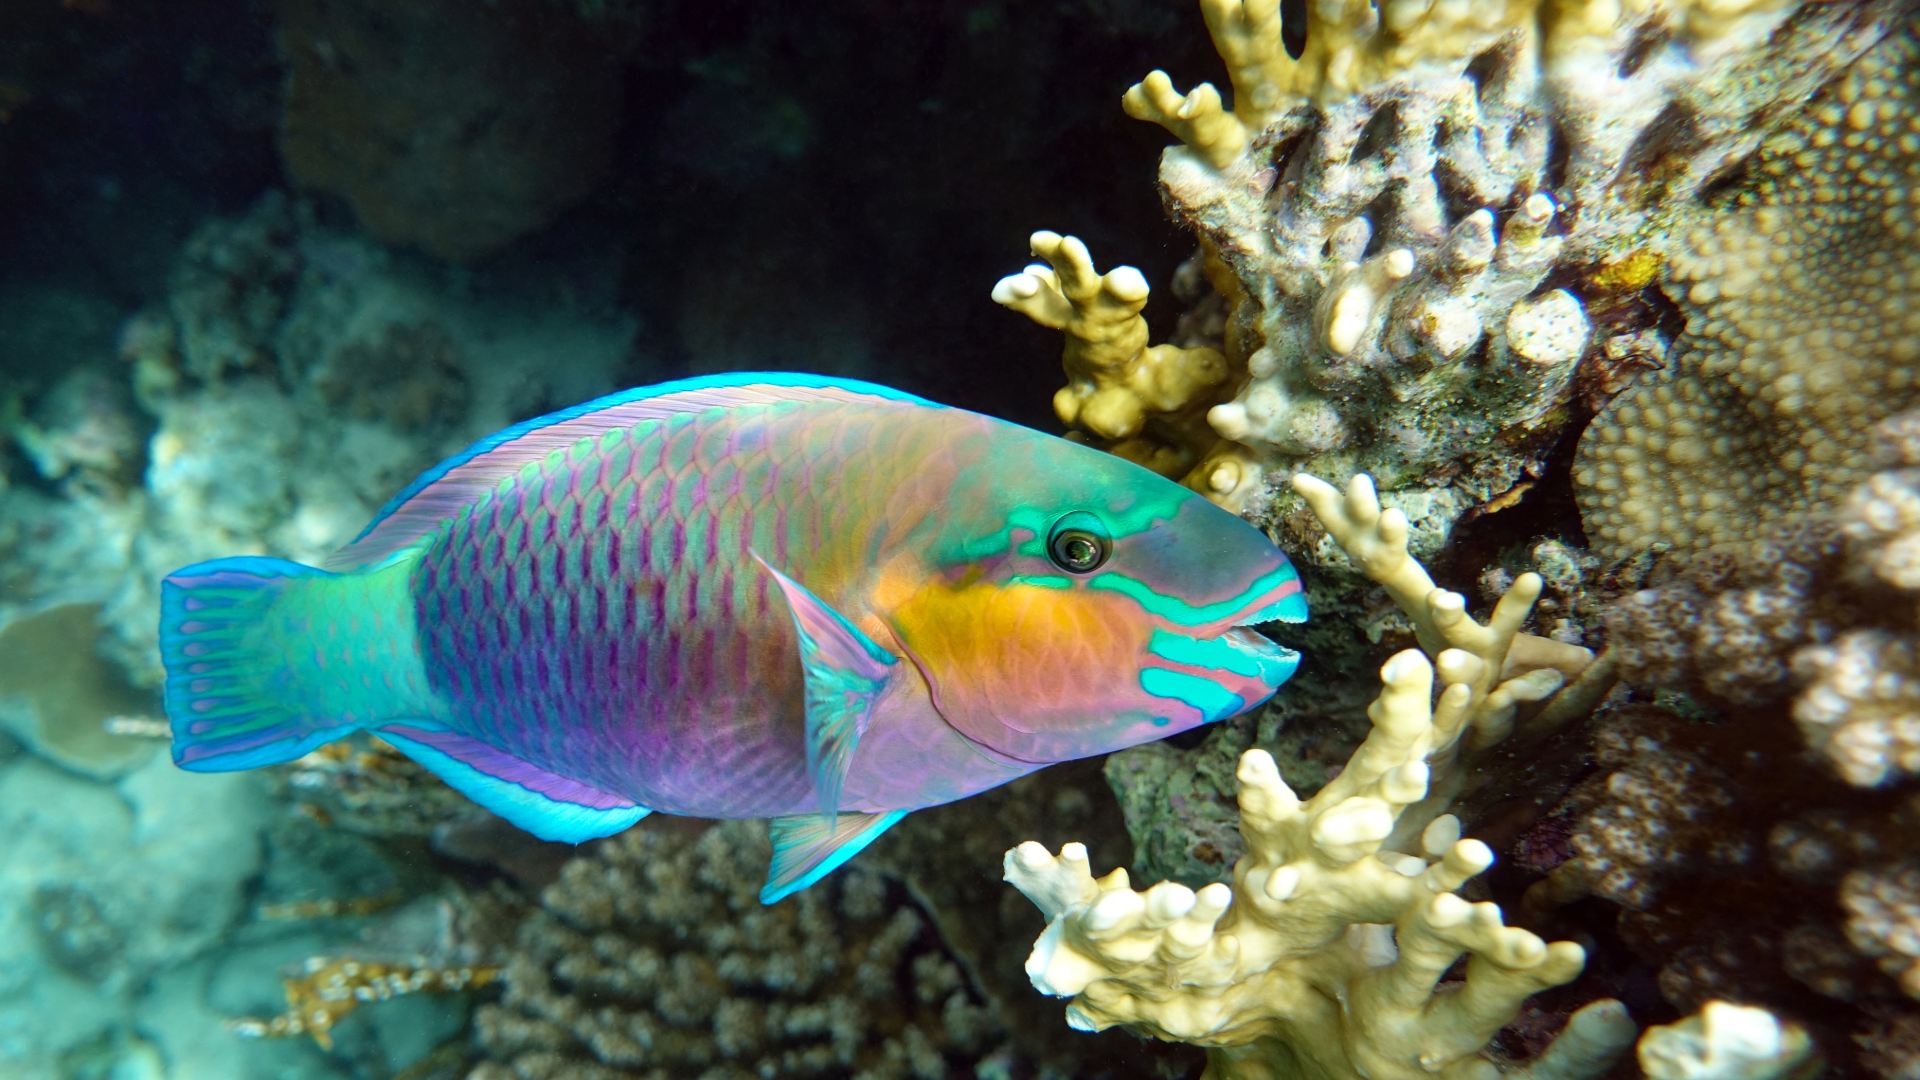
(1601, 757)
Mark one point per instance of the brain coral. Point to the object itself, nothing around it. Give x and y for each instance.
(1803, 324)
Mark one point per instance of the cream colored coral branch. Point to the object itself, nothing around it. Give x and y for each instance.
(1725, 1042)
(1326, 946)
(1197, 118)
(1116, 383)
(1502, 666)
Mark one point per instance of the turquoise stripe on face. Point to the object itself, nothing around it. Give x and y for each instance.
(1178, 610)
(1223, 654)
(1207, 698)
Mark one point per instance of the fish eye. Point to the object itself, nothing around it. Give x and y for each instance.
(1079, 543)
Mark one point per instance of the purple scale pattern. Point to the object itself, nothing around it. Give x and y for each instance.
(598, 615)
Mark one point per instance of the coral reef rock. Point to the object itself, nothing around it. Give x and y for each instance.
(455, 128)
(1421, 218)
(1801, 287)
(654, 957)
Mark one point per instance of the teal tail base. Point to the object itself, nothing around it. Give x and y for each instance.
(221, 674)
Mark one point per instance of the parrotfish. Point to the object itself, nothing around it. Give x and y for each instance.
(814, 600)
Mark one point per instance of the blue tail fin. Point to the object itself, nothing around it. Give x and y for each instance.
(226, 674)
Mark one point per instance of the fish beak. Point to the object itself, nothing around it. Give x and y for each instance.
(1274, 662)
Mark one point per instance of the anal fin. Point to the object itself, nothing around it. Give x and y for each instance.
(846, 673)
(549, 806)
(806, 848)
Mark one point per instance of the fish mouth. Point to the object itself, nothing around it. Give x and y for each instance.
(1274, 662)
(1271, 662)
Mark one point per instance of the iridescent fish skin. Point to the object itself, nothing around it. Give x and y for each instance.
(749, 596)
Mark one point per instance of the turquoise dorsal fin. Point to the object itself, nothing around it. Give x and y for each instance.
(808, 847)
(846, 672)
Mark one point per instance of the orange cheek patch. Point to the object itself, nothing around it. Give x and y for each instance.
(1023, 656)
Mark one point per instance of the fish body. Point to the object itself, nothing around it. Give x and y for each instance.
(812, 600)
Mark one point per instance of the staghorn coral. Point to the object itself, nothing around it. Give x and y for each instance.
(1292, 969)
(1802, 316)
(654, 957)
(1421, 216)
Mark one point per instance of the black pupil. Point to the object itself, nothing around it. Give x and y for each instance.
(1080, 551)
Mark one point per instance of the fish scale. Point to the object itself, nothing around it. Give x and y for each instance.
(763, 595)
(662, 704)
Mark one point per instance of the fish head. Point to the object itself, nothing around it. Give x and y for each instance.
(1075, 603)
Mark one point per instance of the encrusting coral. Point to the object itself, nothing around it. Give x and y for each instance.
(1805, 609)
(654, 957)
(1803, 328)
(1413, 266)
(1291, 967)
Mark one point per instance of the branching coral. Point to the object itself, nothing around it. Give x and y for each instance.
(1116, 384)
(1292, 970)
(1650, 811)
(1726, 629)
(1803, 306)
(1804, 608)
(656, 954)
(367, 786)
(1501, 667)
(1423, 215)
(1504, 672)
(1254, 970)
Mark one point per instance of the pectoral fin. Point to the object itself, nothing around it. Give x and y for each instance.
(807, 848)
(846, 673)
